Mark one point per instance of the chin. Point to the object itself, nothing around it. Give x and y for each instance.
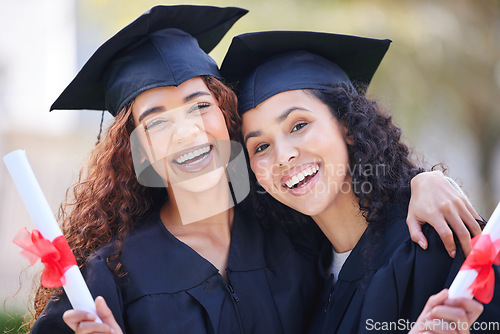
(310, 211)
(203, 182)
(308, 208)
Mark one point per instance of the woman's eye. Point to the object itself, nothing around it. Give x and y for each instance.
(155, 124)
(199, 107)
(299, 126)
(261, 148)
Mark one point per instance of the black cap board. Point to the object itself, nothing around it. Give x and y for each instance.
(263, 64)
(165, 46)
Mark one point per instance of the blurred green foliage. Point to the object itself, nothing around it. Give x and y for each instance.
(10, 323)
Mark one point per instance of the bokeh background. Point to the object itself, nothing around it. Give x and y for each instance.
(440, 80)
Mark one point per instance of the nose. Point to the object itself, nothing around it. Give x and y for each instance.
(186, 130)
(285, 153)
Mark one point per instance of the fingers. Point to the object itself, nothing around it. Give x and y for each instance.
(437, 299)
(74, 317)
(436, 326)
(87, 327)
(471, 209)
(83, 322)
(437, 202)
(425, 322)
(452, 318)
(466, 213)
(472, 308)
(416, 231)
(463, 234)
(433, 301)
(104, 312)
(473, 226)
(443, 316)
(446, 235)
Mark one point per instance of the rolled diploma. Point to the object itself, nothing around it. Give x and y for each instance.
(20, 170)
(465, 277)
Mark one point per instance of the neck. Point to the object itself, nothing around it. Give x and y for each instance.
(203, 221)
(203, 208)
(342, 222)
(217, 226)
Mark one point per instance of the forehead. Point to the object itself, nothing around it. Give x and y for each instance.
(169, 97)
(173, 92)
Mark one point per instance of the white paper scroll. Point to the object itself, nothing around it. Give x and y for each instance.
(20, 170)
(465, 277)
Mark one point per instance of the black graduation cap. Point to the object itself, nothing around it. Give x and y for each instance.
(165, 46)
(263, 64)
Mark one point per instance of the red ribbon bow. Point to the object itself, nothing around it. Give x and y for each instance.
(56, 255)
(483, 256)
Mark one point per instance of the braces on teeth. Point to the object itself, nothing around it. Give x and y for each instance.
(192, 155)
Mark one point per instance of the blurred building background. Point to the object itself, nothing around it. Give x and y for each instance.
(440, 79)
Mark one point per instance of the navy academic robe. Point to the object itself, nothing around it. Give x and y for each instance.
(169, 288)
(387, 280)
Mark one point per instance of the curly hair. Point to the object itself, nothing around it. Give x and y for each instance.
(107, 200)
(374, 141)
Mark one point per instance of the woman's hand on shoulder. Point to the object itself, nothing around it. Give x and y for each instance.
(83, 322)
(435, 201)
(443, 315)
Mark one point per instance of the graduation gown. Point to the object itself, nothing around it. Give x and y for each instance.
(272, 284)
(387, 280)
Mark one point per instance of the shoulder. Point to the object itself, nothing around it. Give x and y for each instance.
(308, 239)
(396, 249)
(409, 260)
(50, 321)
(110, 264)
(141, 233)
(409, 277)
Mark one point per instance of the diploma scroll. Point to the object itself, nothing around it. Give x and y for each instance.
(43, 218)
(478, 265)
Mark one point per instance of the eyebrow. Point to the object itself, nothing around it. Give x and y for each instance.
(150, 111)
(252, 134)
(280, 119)
(161, 109)
(195, 95)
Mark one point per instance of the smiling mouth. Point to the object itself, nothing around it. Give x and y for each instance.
(300, 179)
(193, 157)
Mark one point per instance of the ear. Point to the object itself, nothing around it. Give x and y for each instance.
(348, 139)
(141, 152)
(143, 158)
(139, 149)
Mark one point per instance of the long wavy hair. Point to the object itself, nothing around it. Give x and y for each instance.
(107, 200)
(375, 141)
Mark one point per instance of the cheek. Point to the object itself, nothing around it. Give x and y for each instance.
(215, 125)
(150, 146)
(263, 172)
(330, 143)
(158, 145)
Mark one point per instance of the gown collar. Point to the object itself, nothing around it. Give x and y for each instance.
(372, 250)
(153, 256)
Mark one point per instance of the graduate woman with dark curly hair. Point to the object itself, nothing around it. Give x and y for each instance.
(319, 146)
(155, 220)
